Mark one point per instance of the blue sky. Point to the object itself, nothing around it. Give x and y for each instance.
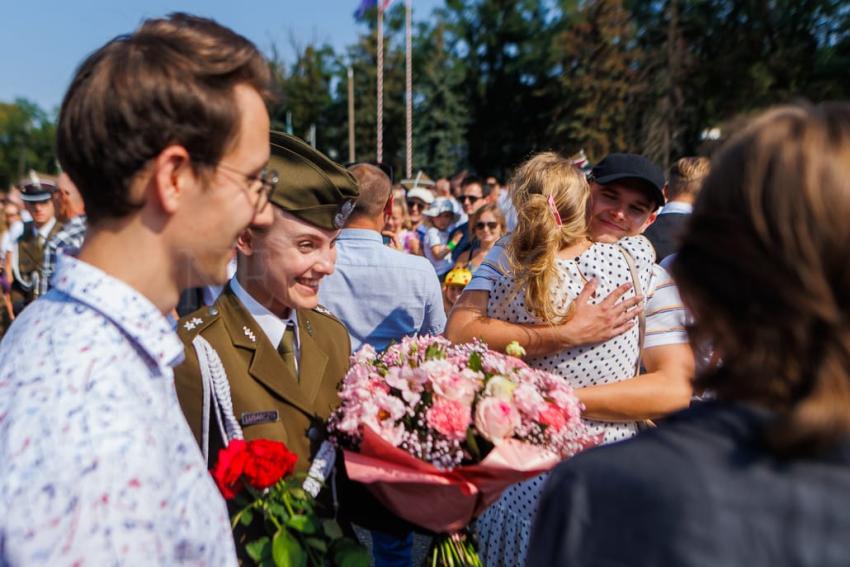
(42, 41)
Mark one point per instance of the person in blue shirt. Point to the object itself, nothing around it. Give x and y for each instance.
(382, 295)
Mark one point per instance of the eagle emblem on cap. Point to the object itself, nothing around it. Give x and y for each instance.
(343, 213)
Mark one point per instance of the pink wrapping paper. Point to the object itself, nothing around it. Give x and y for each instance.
(441, 501)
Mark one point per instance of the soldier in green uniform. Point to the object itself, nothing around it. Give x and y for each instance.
(27, 255)
(265, 360)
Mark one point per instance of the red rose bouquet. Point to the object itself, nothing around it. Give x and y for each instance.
(438, 431)
(258, 475)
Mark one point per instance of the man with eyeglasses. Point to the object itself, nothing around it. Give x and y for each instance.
(258, 186)
(99, 464)
(266, 340)
(473, 195)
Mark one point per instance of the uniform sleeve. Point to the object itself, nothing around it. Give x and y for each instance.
(490, 271)
(666, 316)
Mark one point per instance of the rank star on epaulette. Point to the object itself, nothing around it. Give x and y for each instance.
(249, 333)
(192, 323)
(321, 309)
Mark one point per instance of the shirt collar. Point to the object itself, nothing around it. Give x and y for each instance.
(360, 234)
(44, 231)
(128, 309)
(272, 325)
(677, 207)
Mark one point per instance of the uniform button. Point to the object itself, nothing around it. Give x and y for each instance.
(212, 310)
(313, 434)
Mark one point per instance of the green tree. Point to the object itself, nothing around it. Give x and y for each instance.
(440, 116)
(27, 138)
(505, 45)
(598, 81)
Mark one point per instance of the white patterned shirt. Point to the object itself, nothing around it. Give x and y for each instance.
(97, 463)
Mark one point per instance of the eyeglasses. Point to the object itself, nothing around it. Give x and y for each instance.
(470, 198)
(492, 225)
(417, 204)
(259, 186)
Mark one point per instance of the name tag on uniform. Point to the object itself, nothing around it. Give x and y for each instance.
(258, 417)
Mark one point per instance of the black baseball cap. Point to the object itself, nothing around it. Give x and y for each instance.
(615, 167)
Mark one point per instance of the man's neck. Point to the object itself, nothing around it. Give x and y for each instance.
(117, 247)
(685, 198)
(366, 223)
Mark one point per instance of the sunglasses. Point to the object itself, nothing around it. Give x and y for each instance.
(492, 225)
(415, 204)
(470, 198)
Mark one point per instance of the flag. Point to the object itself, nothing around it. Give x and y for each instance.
(366, 5)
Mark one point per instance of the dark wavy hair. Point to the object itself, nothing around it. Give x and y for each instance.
(765, 269)
(170, 82)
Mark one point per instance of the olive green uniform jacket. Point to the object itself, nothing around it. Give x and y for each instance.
(268, 401)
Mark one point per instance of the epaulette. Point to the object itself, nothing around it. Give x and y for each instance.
(195, 322)
(324, 311)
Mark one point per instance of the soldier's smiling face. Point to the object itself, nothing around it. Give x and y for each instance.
(283, 265)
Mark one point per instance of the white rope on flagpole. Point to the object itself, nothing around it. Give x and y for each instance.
(380, 149)
(408, 87)
(351, 152)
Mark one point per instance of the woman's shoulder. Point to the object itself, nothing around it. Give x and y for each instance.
(639, 247)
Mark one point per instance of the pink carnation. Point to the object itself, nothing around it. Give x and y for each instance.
(450, 418)
(552, 417)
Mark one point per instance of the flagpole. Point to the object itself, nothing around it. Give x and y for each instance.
(380, 148)
(351, 158)
(408, 87)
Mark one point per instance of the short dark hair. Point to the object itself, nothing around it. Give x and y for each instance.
(170, 82)
(473, 180)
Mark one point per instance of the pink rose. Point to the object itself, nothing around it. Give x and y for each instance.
(528, 400)
(450, 418)
(552, 417)
(496, 419)
(460, 387)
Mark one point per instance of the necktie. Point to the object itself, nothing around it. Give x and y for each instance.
(286, 348)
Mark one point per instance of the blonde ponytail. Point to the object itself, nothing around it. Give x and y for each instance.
(544, 182)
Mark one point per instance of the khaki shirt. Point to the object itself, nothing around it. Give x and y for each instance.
(268, 400)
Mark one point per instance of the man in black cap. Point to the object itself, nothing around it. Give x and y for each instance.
(27, 257)
(626, 191)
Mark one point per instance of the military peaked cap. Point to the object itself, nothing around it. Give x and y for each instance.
(312, 187)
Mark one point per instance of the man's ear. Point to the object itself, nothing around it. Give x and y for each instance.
(649, 220)
(171, 177)
(245, 242)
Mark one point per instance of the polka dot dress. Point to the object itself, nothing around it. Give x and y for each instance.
(505, 527)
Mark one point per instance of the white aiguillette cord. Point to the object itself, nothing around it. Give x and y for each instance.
(216, 395)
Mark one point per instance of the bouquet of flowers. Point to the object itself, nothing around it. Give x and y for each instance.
(258, 476)
(438, 430)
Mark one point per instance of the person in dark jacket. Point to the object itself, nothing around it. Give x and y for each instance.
(761, 475)
(685, 179)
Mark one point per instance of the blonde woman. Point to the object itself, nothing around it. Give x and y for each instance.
(551, 259)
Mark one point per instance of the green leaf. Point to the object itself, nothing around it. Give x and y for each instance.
(473, 445)
(317, 543)
(301, 523)
(286, 551)
(348, 553)
(278, 509)
(331, 529)
(247, 517)
(258, 548)
(475, 362)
